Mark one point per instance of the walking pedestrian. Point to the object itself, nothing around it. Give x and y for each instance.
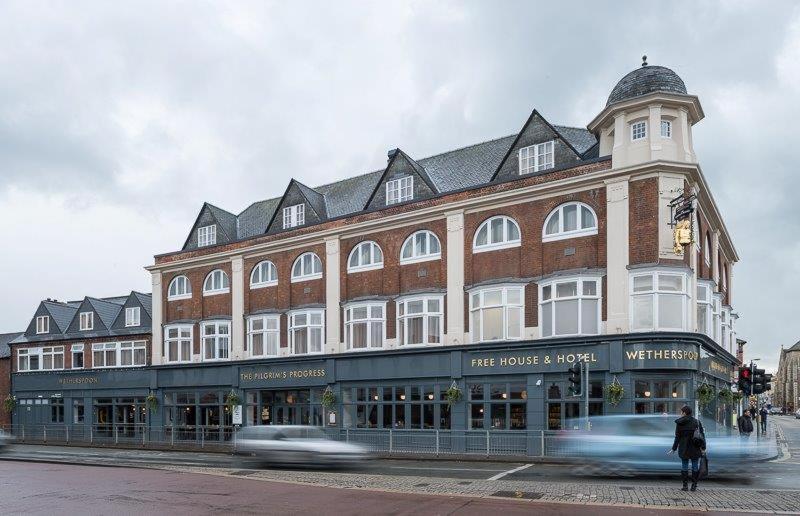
(690, 443)
(745, 424)
(763, 413)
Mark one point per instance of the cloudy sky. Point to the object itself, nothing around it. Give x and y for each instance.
(118, 120)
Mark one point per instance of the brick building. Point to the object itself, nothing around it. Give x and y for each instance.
(5, 374)
(486, 269)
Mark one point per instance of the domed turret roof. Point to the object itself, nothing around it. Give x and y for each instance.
(646, 79)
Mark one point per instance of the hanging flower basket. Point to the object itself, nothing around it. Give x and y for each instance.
(231, 400)
(726, 396)
(614, 392)
(328, 398)
(453, 394)
(737, 396)
(10, 403)
(152, 401)
(705, 394)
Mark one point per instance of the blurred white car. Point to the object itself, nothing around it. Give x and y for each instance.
(797, 414)
(295, 444)
(5, 439)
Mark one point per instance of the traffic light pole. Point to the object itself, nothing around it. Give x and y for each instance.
(752, 387)
(586, 392)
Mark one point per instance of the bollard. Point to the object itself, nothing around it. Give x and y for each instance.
(437, 442)
(116, 434)
(45, 434)
(202, 438)
(487, 443)
(91, 435)
(66, 431)
(391, 444)
(172, 438)
(23, 433)
(542, 453)
(347, 435)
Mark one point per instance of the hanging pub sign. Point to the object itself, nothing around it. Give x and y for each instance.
(681, 220)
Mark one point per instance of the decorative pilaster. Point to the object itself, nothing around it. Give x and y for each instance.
(617, 255)
(455, 278)
(156, 342)
(332, 294)
(237, 308)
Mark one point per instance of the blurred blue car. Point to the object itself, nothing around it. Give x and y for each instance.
(631, 444)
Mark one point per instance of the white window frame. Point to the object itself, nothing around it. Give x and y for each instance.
(349, 321)
(656, 292)
(295, 326)
(562, 234)
(725, 321)
(220, 341)
(42, 324)
(426, 314)
(184, 333)
(582, 297)
(216, 276)
(133, 316)
(666, 128)
(417, 257)
(40, 354)
(506, 242)
(118, 348)
(400, 190)
(705, 303)
(375, 260)
(716, 314)
(267, 275)
(538, 157)
(265, 331)
(187, 294)
(294, 216)
(77, 349)
(207, 235)
(303, 276)
(707, 253)
(638, 130)
(478, 306)
(86, 321)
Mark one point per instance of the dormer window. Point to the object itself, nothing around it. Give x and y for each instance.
(536, 158)
(294, 216)
(400, 190)
(42, 324)
(207, 235)
(639, 130)
(133, 316)
(666, 129)
(87, 321)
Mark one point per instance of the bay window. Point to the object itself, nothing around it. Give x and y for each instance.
(570, 306)
(497, 313)
(659, 301)
(307, 332)
(716, 306)
(704, 308)
(216, 340)
(178, 343)
(726, 328)
(420, 320)
(364, 326)
(263, 335)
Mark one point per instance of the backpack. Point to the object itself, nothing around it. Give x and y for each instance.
(698, 439)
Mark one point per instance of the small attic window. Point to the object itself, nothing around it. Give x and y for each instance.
(43, 324)
(133, 316)
(207, 235)
(536, 158)
(400, 190)
(87, 321)
(294, 216)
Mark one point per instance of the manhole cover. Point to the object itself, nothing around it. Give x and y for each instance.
(626, 488)
(523, 495)
(464, 483)
(421, 485)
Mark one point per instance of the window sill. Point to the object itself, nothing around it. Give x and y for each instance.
(574, 335)
(257, 357)
(132, 325)
(362, 350)
(566, 236)
(420, 259)
(205, 360)
(308, 353)
(495, 247)
(364, 268)
(254, 286)
(119, 366)
(208, 293)
(179, 298)
(301, 279)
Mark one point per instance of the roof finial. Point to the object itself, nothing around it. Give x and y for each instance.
(644, 60)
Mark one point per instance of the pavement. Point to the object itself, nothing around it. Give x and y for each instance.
(773, 486)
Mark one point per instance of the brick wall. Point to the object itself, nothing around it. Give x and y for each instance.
(5, 388)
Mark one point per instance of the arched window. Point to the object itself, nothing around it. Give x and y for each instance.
(707, 250)
(216, 283)
(496, 233)
(366, 256)
(420, 247)
(264, 275)
(307, 267)
(179, 288)
(570, 220)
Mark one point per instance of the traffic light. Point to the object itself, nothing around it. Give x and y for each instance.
(745, 381)
(759, 380)
(767, 382)
(575, 376)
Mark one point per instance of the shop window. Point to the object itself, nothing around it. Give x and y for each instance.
(364, 326)
(57, 410)
(77, 356)
(499, 232)
(178, 343)
(659, 396)
(401, 407)
(568, 413)
(77, 411)
(216, 340)
(263, 335)
(570, 306)
(366, 256)
(420, 247)
(264, 275)
(306, 332)
(570, 220)
(659, 301)
(420, 320)
(179, 288)
(497, 313)
(306, 267)
(506, 407)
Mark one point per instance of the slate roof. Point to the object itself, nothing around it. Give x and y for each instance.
(796, 347)
(5, 338)
(226, 220)
(644, 80)
(463, 168)
(62, 313)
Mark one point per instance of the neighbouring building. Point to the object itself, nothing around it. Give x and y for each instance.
(486, 270)
(5, 374)
(786, 383)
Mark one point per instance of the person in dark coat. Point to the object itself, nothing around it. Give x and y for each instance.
(689, 449)
(745, 424)
(763, 413)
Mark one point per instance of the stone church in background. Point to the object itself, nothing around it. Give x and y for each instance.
(787, 391)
